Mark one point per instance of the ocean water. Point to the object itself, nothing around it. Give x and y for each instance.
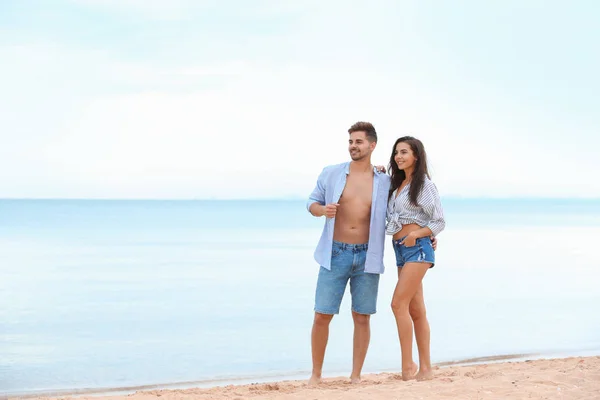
(110, 294)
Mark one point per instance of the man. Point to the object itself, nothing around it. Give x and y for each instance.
(353, 198)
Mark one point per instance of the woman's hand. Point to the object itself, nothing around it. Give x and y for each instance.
(409, 241)
(380, 168)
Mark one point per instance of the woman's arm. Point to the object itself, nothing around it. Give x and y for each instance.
(432, 205)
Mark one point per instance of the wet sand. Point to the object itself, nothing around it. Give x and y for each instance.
(567, 378)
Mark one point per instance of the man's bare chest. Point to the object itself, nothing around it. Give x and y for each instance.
(358, 189)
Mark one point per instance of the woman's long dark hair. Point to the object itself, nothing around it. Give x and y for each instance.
(419, 172)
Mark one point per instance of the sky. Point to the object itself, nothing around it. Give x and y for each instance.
(224, 99)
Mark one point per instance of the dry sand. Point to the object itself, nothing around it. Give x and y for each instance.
(569, 378)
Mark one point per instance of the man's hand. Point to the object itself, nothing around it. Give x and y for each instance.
(380, 168)
(330, 210)
(433, 242)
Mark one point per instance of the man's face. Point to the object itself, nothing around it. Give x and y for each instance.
(359, 147)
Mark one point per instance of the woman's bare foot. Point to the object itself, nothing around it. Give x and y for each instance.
(355, 380)
(424, 374)
(410, 373)
(314, 380)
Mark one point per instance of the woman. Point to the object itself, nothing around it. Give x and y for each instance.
(414, 214)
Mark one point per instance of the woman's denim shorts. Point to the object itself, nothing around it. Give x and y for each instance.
(421, 252)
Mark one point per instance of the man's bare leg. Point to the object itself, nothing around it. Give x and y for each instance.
(422, 334)
(409, 281)
(362, 336)
(319, 337)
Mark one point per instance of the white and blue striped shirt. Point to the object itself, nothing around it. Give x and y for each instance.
(428, 212)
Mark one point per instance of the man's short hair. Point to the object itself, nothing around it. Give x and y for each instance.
(366, 127)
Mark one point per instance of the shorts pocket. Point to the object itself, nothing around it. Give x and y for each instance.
(409, 253)
(336, 251)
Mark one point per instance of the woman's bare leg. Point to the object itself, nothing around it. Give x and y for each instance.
(418, 315)
(409, 282)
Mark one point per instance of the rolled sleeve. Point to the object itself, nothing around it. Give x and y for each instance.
(318, 193)
(434, 210)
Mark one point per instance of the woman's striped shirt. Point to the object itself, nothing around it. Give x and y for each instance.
(428, 213)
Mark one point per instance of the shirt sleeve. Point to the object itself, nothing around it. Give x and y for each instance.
(390, 207)
(318, 193)
(432, 205)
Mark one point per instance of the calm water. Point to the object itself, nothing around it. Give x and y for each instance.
(97, 294)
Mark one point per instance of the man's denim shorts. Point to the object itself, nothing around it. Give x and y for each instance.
(347, 263)
(421, 252)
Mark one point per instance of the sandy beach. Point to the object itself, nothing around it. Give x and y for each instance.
(568, 378)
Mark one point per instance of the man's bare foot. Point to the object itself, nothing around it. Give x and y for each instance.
(355, 380)
(424, 375)
(314, 380)
(410, 373)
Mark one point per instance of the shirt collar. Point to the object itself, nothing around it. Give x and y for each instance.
(347, 169)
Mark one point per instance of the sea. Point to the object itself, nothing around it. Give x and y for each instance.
(124, 294)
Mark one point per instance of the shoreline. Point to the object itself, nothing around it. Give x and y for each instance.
(300, 376)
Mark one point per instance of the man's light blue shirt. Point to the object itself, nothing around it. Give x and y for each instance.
(330, 185)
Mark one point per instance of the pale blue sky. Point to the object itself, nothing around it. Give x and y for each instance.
(230, 99)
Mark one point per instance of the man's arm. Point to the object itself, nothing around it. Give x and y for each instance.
(318, 210)
(316, 201)
(318, 194)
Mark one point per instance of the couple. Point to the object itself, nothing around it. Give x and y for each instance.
(361, 205)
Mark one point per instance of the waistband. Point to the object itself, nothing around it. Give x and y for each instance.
(348, 246)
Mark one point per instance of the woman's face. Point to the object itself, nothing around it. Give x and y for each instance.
(404, 157)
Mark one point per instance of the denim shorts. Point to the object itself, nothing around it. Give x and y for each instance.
(421, 252)
(347, 263)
